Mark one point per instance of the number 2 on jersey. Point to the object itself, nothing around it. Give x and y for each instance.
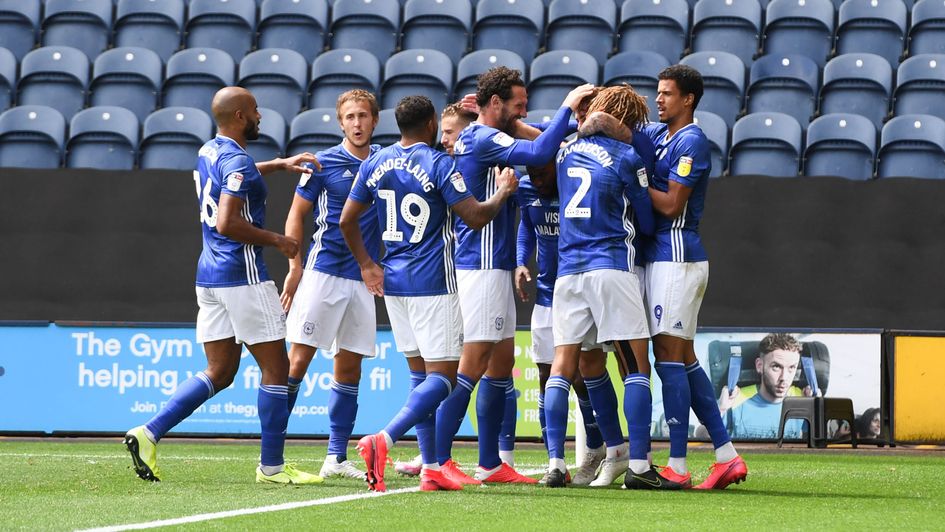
(572, 210)
(418, 221)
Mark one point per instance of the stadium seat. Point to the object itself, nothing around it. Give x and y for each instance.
(31, 136)
(271, 141)
(7, 78)
(874, 27)
(723, 76)
(313, 131)
(912, 146)
(278, 78)
(386, 132)
(56, 76)
(859, 84)
(370, 25)
(172, 137)
(586, 25)
(82, 24)
(300, 25)
(426, 72)
(920, 86)
(732, 26)
(513, 25)
(104, 137)
(19, 25)
(480, 61)
(153, 25)
(841, 145)
(195, 75)
(927, 32)
(785, 84)
(660, 26)
(228, 25)
(717, 132)
(128, 77)
(800, 27)
(438, 24)
(538, 116)
(766, 144)
(640, 70)
(554, 74)
(337, 71)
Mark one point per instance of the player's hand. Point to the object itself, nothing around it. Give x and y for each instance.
(506, 180)
(576, 96)
(522, 276)
(469, 103)
(288, 246)
(603, 123)
(295, 163)
(581, 112)
(373, 277)
(727, 399)
(289, 287)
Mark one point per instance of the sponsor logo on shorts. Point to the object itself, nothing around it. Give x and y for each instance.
(672, 421)
(308, 327)
(658, 313)
(499, 322)
(678, 325)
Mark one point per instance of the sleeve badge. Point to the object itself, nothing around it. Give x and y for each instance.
(684, 167)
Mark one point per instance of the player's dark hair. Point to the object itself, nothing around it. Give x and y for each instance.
(413, 113)
(778, 341)
(688, 80)
(498, 80)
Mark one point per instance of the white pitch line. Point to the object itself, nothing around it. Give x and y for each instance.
(250, 511)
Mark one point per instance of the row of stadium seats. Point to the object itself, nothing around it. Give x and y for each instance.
(746, 28)
(108, 137)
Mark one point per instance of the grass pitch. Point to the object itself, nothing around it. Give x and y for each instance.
(67, 485)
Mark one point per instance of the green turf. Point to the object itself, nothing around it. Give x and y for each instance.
(66, 485)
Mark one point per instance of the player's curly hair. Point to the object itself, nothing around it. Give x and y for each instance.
(456, 109)
(779, 341)
(623, 103)
(497, 80)
(358, 95)
(413, 112)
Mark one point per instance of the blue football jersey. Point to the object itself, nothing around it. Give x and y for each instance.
(646, 150)
(328, 190)
(684, 158)
(414, 188)
(223, 167)
(602, 187)
(538, 228)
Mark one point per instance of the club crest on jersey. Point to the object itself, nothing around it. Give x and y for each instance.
(502, 139)
(458, 182)
(641, 177)
(234, 181)
(684, 167)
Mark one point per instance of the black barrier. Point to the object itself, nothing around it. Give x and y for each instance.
(803, 252)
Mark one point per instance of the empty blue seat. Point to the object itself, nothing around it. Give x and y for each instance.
(19, 25)
(337, 71)
(128, 77)
(480, 61)
(639, 69)
(426, 72)
(874, 27)
(370, 25)
(785, 84)
(800, 27)
(717, 132)
(299, 25)
(660, 26)
(386, 132)
(195, 75)
(859, 84)
(927, 32)
(82, 24)
(766, 144)
(554, 74)
(31, 136)
(587, 25)
(172, 137)
(732, 26)
(538, 116)
(513, 25)
(438, 24)
(841, 145)
(313, 131)
(920, 86)
(912, 146)
(7, 78)
(228, 25)
(153, 25)
(277, 77)
(723, 76)
(56, 76)
(271, 141)
(104, 137)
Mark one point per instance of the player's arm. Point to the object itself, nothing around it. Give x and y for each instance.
(535, 128)
(684, 173)
(294, 224)
(371, 273)
(231, 224)
(539, 151)
(605, 124)
(295, 164)
(672, 202)
(478, 214)
(637, 184)
(524, 247)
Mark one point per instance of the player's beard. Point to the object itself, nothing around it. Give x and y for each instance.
(251, 131)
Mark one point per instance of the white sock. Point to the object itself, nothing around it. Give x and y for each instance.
(649, 457)
(678, 465)
(725, 453)
(508, 457)
(388, 439)
(614, 452)
(270, 470)
(432, 467)
(639, 466)
(557, 463)
(332, 459)
(149, 435)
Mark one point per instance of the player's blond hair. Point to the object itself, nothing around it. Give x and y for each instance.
(456, 109)
(623, 103)
(357, 95)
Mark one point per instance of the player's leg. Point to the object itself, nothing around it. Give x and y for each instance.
(603, 399)
(669, 353)
(510, 410)
(595, 451)
(491, 404)
(543, 354)
(418, 372)
(557, 390)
